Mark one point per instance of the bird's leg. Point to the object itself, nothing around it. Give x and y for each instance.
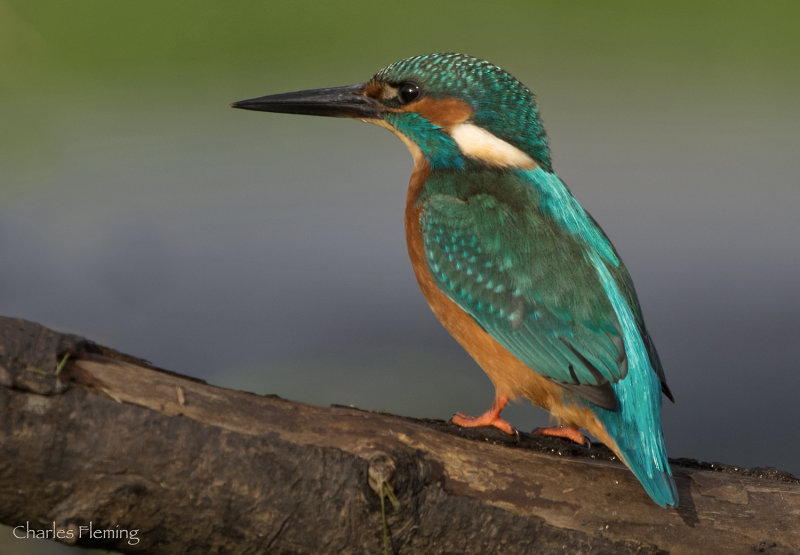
(489, 418)
(568, 432)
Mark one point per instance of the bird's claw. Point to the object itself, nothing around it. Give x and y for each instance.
(486, 419)
(567, 432)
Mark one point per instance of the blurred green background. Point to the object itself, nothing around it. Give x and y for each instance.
(266, 252)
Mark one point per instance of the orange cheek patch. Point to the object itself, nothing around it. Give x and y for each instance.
(373, 89)
(444, 112)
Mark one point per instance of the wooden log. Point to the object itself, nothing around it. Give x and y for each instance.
(162, 463)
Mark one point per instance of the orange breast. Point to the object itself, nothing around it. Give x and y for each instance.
(509, 376)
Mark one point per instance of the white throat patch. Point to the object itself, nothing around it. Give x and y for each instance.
(475, 142)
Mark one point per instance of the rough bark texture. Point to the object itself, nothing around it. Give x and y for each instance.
(201, 469)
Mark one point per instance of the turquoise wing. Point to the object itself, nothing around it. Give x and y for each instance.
(530, 285)
(517, 253)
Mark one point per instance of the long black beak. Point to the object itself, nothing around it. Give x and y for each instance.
(342, 102)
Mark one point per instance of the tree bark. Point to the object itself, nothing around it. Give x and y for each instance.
(162, 463)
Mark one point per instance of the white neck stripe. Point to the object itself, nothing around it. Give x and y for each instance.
(475, 142)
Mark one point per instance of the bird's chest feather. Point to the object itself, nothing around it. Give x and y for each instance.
(508, 374)
(479, 344)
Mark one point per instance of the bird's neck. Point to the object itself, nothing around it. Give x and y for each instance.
(463, 144)
(416, 188)
(427, 140)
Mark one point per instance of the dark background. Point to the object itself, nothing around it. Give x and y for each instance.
(267, 252)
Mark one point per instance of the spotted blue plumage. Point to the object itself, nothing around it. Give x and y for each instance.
(514, 249)
(540, 284)
(494, 95)
(500, 235)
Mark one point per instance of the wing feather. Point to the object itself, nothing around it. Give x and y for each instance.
(530, 286)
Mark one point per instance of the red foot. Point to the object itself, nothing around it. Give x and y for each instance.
(568, 432)
(489, 418)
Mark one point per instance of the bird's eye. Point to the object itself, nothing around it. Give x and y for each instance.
(407, 92)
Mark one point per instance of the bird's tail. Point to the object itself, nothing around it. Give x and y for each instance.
(635, 427)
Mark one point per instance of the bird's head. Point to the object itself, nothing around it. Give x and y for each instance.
(451, 110)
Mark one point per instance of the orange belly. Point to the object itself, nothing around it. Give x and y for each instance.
(509, 376)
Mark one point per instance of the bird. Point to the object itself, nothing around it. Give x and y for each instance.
(517, 271)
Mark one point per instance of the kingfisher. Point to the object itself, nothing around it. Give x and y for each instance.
(514, 268)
